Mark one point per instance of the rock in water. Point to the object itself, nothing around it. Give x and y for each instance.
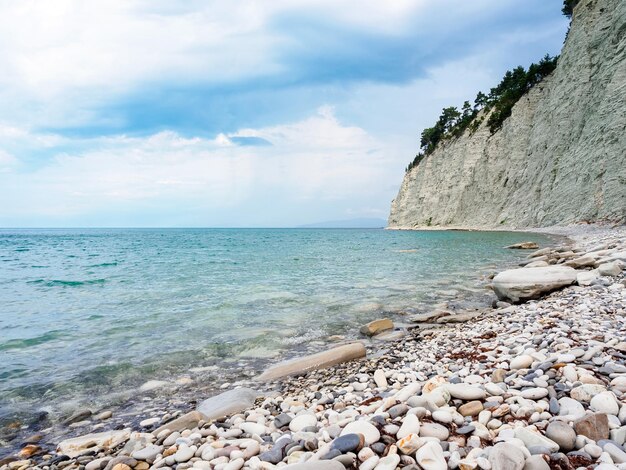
(320, 360)
(523, 246)
(377, 326)
(523, 284)
(228, 403)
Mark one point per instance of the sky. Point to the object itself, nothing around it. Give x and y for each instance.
(276, 113)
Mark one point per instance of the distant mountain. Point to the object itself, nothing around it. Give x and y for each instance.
(351, 223)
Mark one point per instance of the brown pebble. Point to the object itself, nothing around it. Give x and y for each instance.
(28, 451)
(171, 451)
(471, 409)
(121, 466)
(498, 375)
(595, 426)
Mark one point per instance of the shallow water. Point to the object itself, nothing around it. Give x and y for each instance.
(97, 311)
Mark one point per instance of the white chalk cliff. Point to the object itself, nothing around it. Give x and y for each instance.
(559, 158)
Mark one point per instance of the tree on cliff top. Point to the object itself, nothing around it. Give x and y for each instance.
(499, 103)
(568, 7)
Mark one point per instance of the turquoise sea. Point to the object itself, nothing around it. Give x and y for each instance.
(90, 313)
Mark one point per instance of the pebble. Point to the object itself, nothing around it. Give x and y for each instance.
(302, 421)
(521, 362)
(410, 425)
(380, 379)
(348, 443)
(434, 430)
(604, 402)
(563, 434)
(504, 456)
(430, 457)
(368, 430)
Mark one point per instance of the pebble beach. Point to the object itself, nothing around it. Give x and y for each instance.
(535, 381)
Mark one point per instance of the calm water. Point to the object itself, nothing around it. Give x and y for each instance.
(89, 312)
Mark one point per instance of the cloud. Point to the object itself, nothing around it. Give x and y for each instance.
(143, 66)
(312, 161)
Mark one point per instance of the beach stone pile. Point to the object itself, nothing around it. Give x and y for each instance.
(535, 386)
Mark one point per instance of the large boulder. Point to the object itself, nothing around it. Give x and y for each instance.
(518, 285)
(228, 403)
(320, 360)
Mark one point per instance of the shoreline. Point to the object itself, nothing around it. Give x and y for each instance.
(323, 378)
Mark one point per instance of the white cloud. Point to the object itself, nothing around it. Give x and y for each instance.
(317, 161)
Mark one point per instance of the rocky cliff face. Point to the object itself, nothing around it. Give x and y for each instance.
(559, 158)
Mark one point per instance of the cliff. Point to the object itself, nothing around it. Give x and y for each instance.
(559, 158)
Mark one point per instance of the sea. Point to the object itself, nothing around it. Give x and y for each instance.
(87, 316)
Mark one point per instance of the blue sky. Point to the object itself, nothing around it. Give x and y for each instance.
(241, 113)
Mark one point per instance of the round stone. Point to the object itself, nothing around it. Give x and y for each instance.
(563, 434)
(302, 421)
(434, 430)
(368, 430)
(348, 443)
(605, 402)
(521, 362)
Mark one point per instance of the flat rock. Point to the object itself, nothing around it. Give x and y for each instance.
(187, 421)
(376, 326)
(523, 284)
(534, 439)
(505, 456)
(586, 278)
(227, 403)
(594, 426)
(581, 262)
(148, 453)
(83, 444)
(536, 462)
(320, 360)
(465, 392)
(613, 268)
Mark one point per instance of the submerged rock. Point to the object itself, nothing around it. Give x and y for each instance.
(523, 246)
